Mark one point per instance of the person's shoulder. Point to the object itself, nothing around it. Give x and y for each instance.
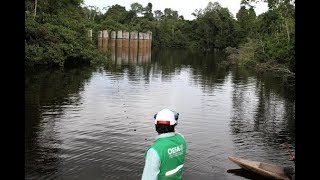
(152, 153)
(150, 150)
(180, 134)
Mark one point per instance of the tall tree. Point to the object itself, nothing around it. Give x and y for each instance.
(148, 11)
(175, 14)
(116, 13)
(215, 27)
(168, 12)
(158, 14)
(246, 19)
(137, 8)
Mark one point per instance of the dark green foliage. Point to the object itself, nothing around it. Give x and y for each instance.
(54, 36)
(215, 28)
(57, 32)
(271, 35)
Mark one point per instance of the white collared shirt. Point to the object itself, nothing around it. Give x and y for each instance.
(152, 164)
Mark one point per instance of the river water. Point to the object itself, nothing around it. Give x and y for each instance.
(96, 122)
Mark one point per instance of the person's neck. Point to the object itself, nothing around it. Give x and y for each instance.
(165, 133)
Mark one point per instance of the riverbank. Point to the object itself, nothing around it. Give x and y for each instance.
(278, 70)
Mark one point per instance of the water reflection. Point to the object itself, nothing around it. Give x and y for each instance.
(125, 55)
(263, 117)
(247, 174)
(206, 73)
(130, 55)
(94, 123)
(47, 94)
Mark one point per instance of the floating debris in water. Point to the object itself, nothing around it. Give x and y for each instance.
(134, 130)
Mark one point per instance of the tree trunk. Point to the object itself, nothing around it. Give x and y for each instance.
(287, 28)
(260, 39)
(283, 16)
(35, 8)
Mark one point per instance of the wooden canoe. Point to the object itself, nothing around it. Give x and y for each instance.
(265, 169)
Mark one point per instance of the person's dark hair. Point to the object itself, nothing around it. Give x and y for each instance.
(162, 128)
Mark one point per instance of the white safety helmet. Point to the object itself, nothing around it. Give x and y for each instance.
(167, 117)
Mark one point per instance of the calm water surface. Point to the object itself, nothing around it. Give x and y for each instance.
(96, 123)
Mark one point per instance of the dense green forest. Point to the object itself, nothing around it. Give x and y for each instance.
(55, 31)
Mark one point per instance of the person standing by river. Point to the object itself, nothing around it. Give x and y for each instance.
(165, 157)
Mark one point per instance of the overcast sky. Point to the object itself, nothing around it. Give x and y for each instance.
(184, 7)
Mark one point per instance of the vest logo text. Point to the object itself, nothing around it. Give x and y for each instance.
(175, 151)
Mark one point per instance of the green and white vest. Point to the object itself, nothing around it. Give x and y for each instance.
(172, 151)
